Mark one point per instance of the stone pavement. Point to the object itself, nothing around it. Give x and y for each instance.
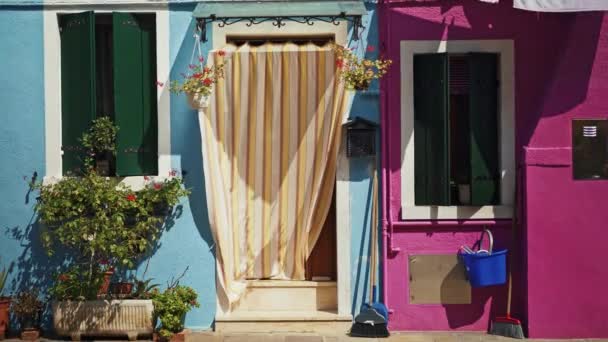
(395, 337)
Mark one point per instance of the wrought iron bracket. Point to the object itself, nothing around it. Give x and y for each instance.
(279, 21)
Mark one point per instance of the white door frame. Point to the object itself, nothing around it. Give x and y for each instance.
(343, 229)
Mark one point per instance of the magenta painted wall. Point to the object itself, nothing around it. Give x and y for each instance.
(561, 63)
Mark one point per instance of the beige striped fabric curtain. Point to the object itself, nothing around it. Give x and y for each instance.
(270, 138)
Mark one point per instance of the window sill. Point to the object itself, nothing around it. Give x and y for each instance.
(135, 182)
(486, 212)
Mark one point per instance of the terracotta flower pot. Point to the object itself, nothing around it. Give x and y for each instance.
(121, 289)
(105, 286)
(30, 335)
(177, 337)
(5, 304)
(362, 85)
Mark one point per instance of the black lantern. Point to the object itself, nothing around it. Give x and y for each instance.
(360, 137)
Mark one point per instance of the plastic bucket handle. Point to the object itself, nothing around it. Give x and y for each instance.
(490, 237)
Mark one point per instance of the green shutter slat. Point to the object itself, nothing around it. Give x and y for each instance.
(135, 95)
(78, 106)
(483, 116)
(431, 130)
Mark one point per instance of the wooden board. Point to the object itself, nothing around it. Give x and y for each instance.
(438, 279)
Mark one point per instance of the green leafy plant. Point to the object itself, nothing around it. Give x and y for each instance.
(357, 72)
(171, 306)
(200, 79)
(26, 304)
(78, 282)
(99, 139)
(102, 222)
(162, 195)
(144, 288)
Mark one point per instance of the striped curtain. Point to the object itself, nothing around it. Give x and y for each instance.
(270, 137)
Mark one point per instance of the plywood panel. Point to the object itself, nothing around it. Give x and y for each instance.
(438, 279)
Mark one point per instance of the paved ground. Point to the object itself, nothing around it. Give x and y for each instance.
(395, 337)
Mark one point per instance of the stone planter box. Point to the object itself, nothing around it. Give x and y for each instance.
(114, 318)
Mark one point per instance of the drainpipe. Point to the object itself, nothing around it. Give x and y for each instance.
(386, 205)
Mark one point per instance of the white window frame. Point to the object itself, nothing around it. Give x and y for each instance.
(505, 49)
(52, 86)
(219, 39)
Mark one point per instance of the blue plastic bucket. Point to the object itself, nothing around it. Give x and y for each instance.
(484, 269)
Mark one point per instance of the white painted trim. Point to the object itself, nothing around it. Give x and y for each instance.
(340, 33)
(52, 87)
(507, 129)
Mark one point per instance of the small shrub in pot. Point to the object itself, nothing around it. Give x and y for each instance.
(27, 307)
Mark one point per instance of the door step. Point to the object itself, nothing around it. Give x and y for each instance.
(319, 322)
(288, 295)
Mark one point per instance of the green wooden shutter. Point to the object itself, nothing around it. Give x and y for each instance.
(135, 95)
(78, 106)
(431, 130)
(483, 116)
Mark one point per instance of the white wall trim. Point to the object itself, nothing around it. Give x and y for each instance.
(52, 87)
(506, 130)
(343, 227)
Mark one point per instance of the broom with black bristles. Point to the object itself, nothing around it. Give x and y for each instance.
(506, 325)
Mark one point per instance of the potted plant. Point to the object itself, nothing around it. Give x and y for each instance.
(5, 303)
(121, 289)
(100, 144)
(170, 307)
(87, 216)
(357, 72)
(197, 83)
(163, 195)
(27, 308)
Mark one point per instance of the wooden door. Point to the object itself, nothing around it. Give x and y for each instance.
(322, 260)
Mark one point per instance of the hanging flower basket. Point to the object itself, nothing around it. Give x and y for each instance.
(198, 100)
(197, 84)
(357, 72)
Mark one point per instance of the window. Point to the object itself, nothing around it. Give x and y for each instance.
(108, 68)
(590, 149)
(456, 129)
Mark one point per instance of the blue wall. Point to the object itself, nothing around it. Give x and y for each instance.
(188, 243)
(21, 144)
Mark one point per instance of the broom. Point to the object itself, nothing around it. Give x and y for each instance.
(506, 325)
(372, 321)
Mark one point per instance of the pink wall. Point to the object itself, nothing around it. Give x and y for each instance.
(561, 73)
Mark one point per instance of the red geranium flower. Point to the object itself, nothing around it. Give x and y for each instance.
(197, 75)
(221, 53)
(206, 70)
(339, 63)
(63, 277)
(158, 186)
(207, 81)
(131, 197)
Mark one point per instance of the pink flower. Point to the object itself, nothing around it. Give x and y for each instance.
(201, 59)
(191, 66)
(159, 83)
(146, 178)
(172, 173)
(371, 48)
(158, 186)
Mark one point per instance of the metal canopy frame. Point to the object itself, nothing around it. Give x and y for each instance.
(279, 21)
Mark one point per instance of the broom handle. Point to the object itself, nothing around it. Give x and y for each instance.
(374, 233)
(514, 220)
